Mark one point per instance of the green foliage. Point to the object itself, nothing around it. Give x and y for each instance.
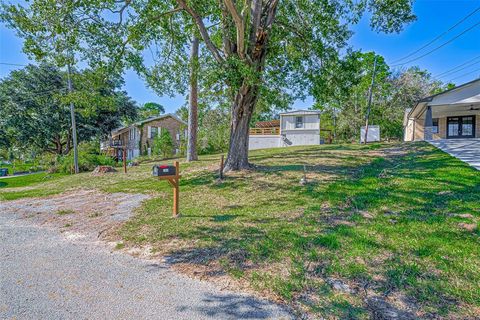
(88, 159)
(35, 112)
(213, 132)
(341, 91)
(163, 144)
(150, 109)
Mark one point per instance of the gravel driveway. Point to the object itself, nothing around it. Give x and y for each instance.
(45, 276)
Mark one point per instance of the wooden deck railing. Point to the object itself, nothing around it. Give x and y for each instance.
(264, 131)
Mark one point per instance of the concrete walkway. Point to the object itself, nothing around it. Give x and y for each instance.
(467, 150)
(45, 276)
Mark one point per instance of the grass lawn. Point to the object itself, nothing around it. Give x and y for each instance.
(397, 222)
(27, 180)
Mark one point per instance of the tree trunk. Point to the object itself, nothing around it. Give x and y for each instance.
(242, 110)
(193, 103)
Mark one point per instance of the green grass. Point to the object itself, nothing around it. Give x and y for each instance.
(27, 180)
(377, 220)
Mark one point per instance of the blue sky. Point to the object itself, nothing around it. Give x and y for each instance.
(433, 18)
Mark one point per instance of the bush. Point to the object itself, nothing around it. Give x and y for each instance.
(163, 144)
(88, 159)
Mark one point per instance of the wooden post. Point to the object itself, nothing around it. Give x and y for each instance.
(221, 167)
(125, 160)
(176, 191)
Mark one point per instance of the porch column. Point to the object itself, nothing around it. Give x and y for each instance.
(428, 127)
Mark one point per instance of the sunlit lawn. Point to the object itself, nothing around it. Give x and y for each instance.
(385, 223)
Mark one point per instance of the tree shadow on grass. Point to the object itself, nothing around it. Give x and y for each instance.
(372, 188)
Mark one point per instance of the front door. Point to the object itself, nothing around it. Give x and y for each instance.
(461, 127)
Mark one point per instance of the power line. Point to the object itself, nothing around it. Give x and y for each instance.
(13, 64)
(466, 74)
(454, 68)
(439, 36)
(440, 46)
(468, 66)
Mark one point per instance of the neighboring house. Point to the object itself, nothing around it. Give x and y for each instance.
(295, 128)
(451, 114)
(138, 137)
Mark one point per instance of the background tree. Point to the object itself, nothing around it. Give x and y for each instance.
(150, 109)
(35, 109)
(254, 49)
(51, 31)
(193, 102)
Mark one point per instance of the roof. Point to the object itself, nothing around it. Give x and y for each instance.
(442, 98)
(267, 124)
(139, 123)
(301, 111)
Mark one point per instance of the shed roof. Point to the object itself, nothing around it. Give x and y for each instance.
(300, 112)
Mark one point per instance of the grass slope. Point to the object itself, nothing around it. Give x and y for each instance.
(393, 221)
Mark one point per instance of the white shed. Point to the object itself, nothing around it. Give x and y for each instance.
(295, 128)
(300, 127)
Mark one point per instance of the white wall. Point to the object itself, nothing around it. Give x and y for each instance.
(264, 142)
(303, 138)
(373, 134)
(310, 122)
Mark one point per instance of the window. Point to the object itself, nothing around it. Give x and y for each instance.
(153, 132)
(298, 122)
(435, 125)
(133, 134)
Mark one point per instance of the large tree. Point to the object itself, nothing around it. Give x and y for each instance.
(254, 49)
(35, 107)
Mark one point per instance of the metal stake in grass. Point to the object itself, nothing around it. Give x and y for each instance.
(304, 181)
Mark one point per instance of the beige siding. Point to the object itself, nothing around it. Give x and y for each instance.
(418, 131)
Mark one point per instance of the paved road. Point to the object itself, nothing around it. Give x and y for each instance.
(467, 150)
(45, 276)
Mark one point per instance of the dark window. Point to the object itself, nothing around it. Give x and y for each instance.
(435, 125)
(153, 132)
(298, 122)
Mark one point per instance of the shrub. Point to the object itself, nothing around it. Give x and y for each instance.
(88, 158)
(163, 144)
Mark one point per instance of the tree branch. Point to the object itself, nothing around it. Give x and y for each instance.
(203, 31)
(239, 26)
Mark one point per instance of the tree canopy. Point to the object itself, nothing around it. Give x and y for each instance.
(34, 107)
(254, 52)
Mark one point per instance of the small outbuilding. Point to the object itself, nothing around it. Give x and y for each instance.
(294, 128)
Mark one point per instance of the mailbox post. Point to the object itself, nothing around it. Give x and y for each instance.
(172, 175)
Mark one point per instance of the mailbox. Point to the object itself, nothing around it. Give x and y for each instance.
(163, 170)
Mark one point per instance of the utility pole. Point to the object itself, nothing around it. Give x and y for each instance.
(74, 124)
(370, 92)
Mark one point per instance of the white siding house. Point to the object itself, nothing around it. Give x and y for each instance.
(297, 128)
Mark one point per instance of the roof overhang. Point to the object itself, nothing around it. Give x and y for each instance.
(463, 96)
(300, 112)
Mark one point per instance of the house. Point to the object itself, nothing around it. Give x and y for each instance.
(451, 114)
(294, 128)
(138, 137)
